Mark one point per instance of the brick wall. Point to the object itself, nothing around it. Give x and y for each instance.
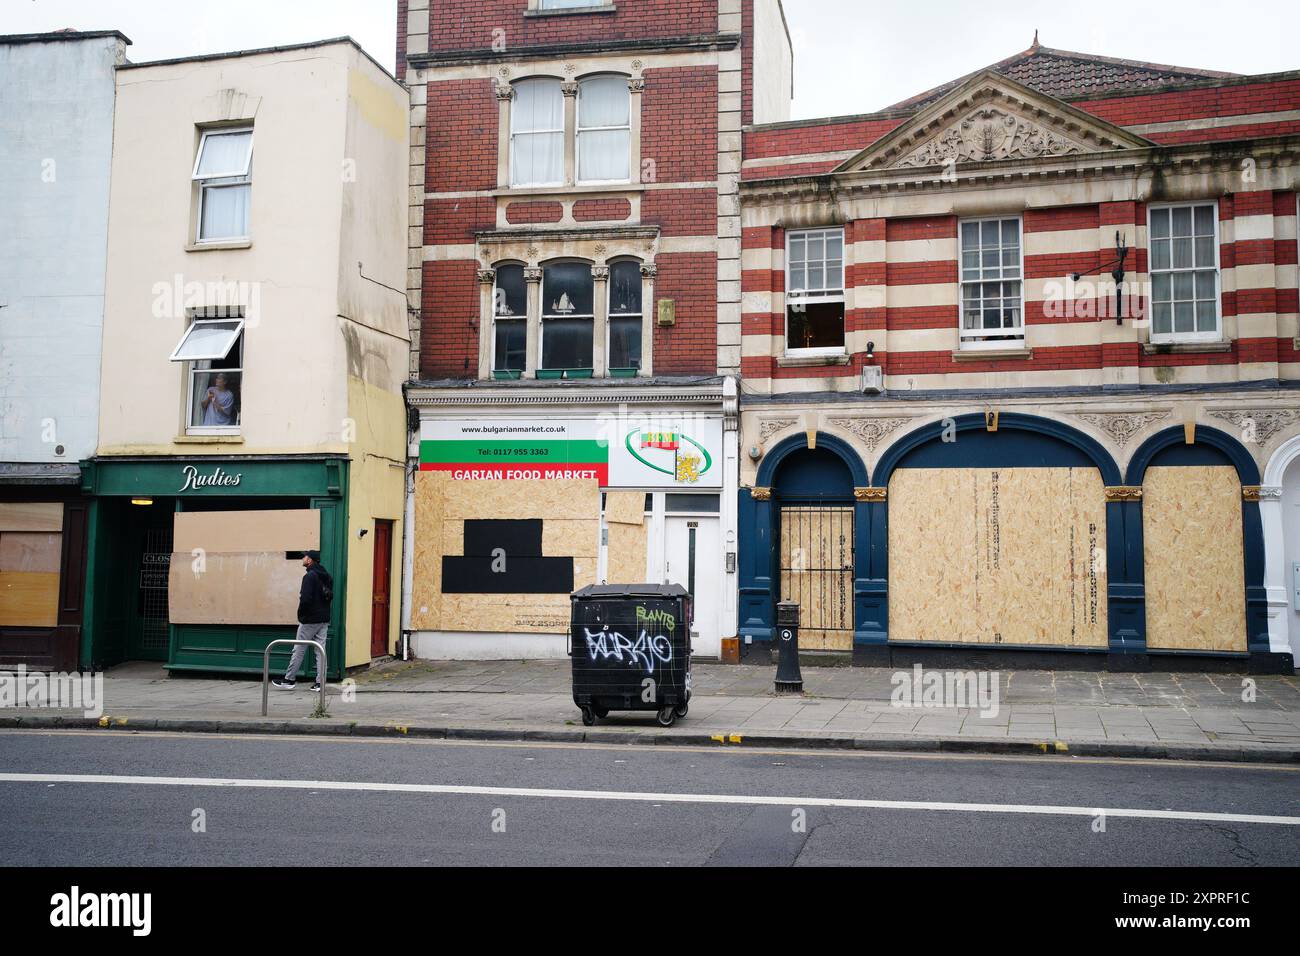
(450, 302)
(401, 39)
(679, 125)
(461, 138)
(690, 346)
(477, 24)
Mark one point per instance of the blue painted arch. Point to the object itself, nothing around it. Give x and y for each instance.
(773, 460)
(1032, 442)
(1174, 439)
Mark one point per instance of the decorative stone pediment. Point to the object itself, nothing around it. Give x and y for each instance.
(991, 118)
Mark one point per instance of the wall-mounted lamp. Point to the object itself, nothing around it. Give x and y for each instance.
(871, 351)
(755, 453)
(142, 502)
(363, 532)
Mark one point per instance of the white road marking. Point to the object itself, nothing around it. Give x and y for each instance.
(647, 797)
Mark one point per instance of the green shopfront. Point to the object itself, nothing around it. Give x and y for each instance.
(195, 562)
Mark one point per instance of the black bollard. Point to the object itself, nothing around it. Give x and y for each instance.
(789, 680)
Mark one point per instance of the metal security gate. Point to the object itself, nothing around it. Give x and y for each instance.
(152, 636)
(817, 573)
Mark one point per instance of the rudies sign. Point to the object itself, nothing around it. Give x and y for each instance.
(628, 451)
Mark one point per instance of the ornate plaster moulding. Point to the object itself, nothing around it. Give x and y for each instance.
(871, 431)
(1122, 426)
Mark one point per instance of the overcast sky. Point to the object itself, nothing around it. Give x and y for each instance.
(851, 56)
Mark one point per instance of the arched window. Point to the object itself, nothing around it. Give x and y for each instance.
(604, 130)
(510, 319)
(568, 314)
(537, 133)
(624, 316)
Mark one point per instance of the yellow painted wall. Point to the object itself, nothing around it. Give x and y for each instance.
(998, 556)
(376, 491)
(1195, 572)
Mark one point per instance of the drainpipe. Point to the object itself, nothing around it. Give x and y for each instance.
(408, 535)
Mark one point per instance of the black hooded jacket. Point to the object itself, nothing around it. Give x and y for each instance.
(315, 596)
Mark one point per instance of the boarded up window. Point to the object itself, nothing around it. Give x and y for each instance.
(998, 556)
(239, 567)
(1192, 543)
(31, 544)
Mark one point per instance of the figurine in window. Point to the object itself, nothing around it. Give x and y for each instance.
(219, 403)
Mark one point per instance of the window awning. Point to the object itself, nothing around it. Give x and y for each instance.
(208, 340)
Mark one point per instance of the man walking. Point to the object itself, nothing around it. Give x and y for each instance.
(314, 599)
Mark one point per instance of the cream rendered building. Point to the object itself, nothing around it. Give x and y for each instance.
(255, 346)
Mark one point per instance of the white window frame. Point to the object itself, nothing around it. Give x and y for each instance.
(579, 129)
(570, 5)
(514, 134)
(508, 318)
(1174, 337)
(822, 298)
(543, 317)
(976, 339)
(223, 180)
(610, 316)
(237, 338)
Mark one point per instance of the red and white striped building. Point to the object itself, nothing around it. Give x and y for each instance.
(913, 329)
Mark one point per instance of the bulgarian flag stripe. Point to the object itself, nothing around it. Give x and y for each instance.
(668, 441)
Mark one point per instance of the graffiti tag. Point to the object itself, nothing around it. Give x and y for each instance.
(643, 652)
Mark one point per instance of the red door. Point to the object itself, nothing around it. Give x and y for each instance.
(380, 600)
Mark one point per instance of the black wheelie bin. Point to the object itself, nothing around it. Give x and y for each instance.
(630, 645)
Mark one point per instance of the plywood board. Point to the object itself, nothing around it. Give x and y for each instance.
(232, 532)
(30, 551)
(1195, 576)
(31, 516)
(247, 588)
(570, 516)
(625, 556)
(817, 572)
(624, 507)
(427, 552)
(29, 599)
(998, 556)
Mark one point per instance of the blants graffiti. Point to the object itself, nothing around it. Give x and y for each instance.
(643, 652)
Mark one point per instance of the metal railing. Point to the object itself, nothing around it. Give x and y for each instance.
(266, 667)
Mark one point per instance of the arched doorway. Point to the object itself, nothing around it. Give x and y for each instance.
(1000, 534)
(805, 537)
(1200, 536)
(813, 491)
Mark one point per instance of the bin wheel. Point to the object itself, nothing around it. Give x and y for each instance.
(682, 709)
(601, 712)
(588, 717)
(666, 716)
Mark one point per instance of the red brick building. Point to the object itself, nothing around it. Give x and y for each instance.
(575, 255)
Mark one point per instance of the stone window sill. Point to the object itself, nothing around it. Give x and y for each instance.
(209, 439)
(572, 11)
(811, 361)
(218, 246)
(1184, 348)
(576, 190)
(988, 355)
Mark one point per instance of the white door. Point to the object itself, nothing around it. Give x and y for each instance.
(692, 558)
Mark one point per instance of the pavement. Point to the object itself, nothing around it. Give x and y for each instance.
(101, 798)
(1173, 715)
